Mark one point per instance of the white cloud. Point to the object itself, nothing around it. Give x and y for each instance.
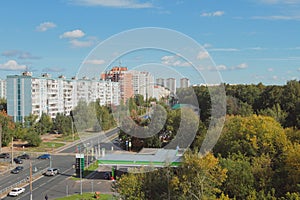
(213, 14)
(73, 34)
(114, 3)
(206, 45)
(95, 62)
(12, 65)
(224, 49)
(280, 1)
(277, 17)
(221, 67)
(19, 54)
(202, 55)
(80, 43)
(299, 69)
(174, 61)
(225, 68)
(240, 66)
(270, 69)
(45, 26)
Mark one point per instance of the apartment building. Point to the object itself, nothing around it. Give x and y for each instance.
(171, 85)
(36, 95)
(143, 84)
(184, 83)
(3, 89)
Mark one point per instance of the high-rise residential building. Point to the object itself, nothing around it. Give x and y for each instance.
(143, 84)
(171, 85)
(126, 86)
(160, 81)
(184, 82)
(3, 89)
(36, 95)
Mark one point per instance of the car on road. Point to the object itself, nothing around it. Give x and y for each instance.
(17, 170)
(44, 156)
(16, 192)
(18, 161)
(52, 172)
(4, 155)
(24, 156)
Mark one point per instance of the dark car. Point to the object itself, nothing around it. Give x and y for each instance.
(18, 160)
(107, 176)
(44, 156)
(17, 170)
(4, 155)
(24, 156)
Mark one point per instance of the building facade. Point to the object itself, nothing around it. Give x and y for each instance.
(2, 89)
(171, 85)
(36, 95)
(184, 83)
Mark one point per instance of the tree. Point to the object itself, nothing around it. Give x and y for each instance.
(200, 176)
(252, 136)
(292, 166)
(63, 124)
(291, 103)
(44, 125)
(32, 137)
(129, 186)
(7, 127)
(3, 105)
(240, 181)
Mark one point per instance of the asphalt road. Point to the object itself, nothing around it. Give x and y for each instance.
(61, 185)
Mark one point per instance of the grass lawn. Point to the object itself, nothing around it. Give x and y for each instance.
(46, 146)
(86, 196)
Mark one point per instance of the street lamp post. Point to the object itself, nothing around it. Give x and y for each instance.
(30, 179)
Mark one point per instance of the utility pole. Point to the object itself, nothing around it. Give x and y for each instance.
(30, 179)
(0, 138)
(12, 150)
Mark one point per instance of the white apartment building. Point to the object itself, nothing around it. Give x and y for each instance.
(36, 95)
(184, 83)
(171, 85)
(143, 83)
(3, 89)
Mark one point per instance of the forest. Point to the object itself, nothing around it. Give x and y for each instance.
(256, 157)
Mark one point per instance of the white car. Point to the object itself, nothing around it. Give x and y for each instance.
(16, 191)
(52, 172)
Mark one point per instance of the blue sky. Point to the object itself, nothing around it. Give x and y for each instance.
(250, 41)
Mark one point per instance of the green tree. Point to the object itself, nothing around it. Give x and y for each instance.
(63, 124)
(291, 103)
(45, 124)
(240, 181)
(32, 137)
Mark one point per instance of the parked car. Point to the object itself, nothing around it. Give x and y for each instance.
(4, 155)
(44, 156)
(17, 170)
(52, 172)
(16, 192)
(18, 161)
(24, 156)
(107, 176)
